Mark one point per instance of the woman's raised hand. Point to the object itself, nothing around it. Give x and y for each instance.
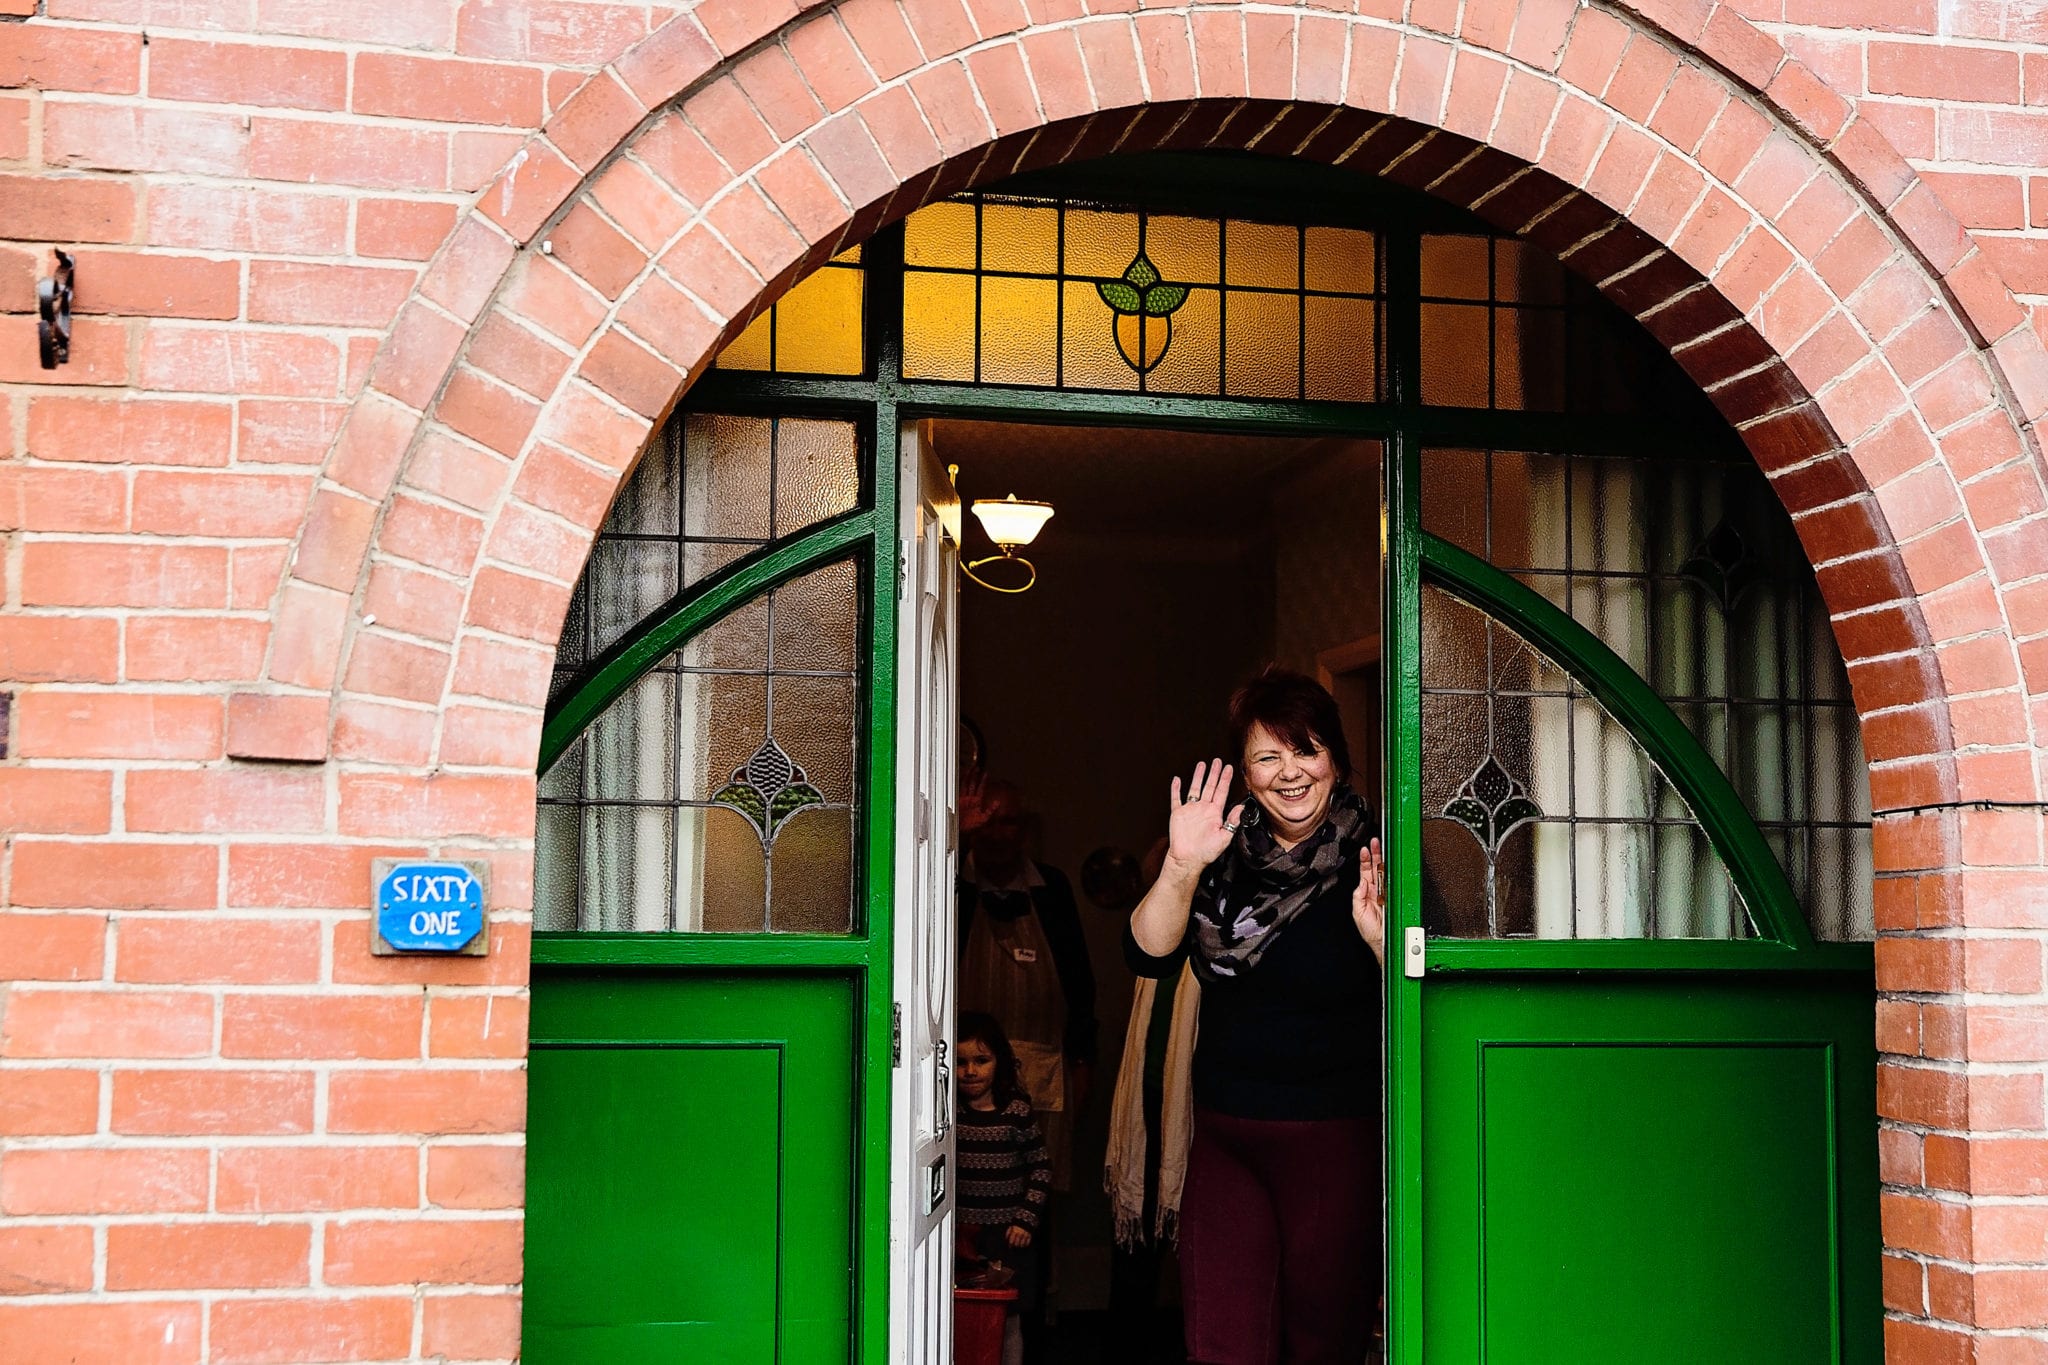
(1369, 901)
(1196, 829)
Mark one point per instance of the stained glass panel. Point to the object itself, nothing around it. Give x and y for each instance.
(715, 486)
(718, 793)
(1690, 571)
(1542, 816)
(1056, 294)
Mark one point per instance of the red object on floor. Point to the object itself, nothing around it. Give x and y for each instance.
(978, 1325)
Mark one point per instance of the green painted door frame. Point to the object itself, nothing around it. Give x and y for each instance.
(1554, 974)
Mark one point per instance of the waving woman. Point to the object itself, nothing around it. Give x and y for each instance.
(1277, 901)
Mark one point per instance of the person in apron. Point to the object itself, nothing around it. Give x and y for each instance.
(1023, 960)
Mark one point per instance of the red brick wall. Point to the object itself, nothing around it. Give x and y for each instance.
(378, 302)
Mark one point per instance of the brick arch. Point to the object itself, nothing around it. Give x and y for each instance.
(1771, 238)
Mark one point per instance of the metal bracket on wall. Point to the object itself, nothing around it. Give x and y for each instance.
(53, 303)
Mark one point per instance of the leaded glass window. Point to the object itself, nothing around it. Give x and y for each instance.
(1690, 571)
(1542, 816)
(718, 793)
(1062, 294)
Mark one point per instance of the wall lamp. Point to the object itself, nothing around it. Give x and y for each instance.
(1011, 524)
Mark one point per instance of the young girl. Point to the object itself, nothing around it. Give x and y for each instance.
(1005, 1170)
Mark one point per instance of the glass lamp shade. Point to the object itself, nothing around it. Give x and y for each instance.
(1010, 523)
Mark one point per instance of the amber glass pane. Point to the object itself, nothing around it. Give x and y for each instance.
(940, 234)
(813, 329)
(1088, 348)
(1342, 362)
(1191, 363)
(1263, 254)
(1454, 354)
(1084, 297)
(1454, 267)
(1020, 237)
(938, 326)
(1099, 244)
(1185, 249)
(752, 349)
(818, 327)
(1018, 317)
(1341, 260)
(1262, 348)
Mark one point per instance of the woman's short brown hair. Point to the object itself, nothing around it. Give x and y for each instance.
(1296, 709)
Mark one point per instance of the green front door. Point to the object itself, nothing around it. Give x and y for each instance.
(708, 1126)
(1633, 1101)
(1630, 1112)
(692, 1184)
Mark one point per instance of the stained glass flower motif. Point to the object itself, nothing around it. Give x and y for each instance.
(1143, 306)
(768, 788)
(1492, 804)
(1723, 565)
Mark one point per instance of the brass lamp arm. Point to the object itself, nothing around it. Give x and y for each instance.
(968, 567)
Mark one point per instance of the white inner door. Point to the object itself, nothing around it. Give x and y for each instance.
(921, 1232)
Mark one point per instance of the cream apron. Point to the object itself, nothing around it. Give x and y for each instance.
(1007, 971)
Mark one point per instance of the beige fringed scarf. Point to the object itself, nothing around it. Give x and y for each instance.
(1123, 1174)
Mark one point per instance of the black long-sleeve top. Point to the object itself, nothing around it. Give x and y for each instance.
(1298, 1035)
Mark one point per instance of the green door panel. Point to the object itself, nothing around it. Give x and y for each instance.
(690, 1168)
(1674, 1169)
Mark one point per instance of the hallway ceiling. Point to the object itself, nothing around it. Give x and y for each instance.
(1128, 480)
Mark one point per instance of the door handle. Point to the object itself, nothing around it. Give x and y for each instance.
(942, 1083)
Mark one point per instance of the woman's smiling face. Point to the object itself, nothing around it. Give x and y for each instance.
(1292, 788)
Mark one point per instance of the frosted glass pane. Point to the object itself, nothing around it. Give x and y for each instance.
(629, 752)
(737, 640)
(725, 720)
(557, 845)
(817, 620)
(814, 724)
(727, 889)
(817, 471)
(727, 475)
(813, 873)
(628, 867)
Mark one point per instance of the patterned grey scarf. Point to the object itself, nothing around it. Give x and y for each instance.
(1252, 891)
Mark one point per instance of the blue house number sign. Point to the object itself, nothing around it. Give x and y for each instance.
(429, 907)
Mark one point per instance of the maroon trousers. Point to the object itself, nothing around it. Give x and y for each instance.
(1281, 1238)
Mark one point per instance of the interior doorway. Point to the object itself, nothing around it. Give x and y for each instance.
(1177, 564)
